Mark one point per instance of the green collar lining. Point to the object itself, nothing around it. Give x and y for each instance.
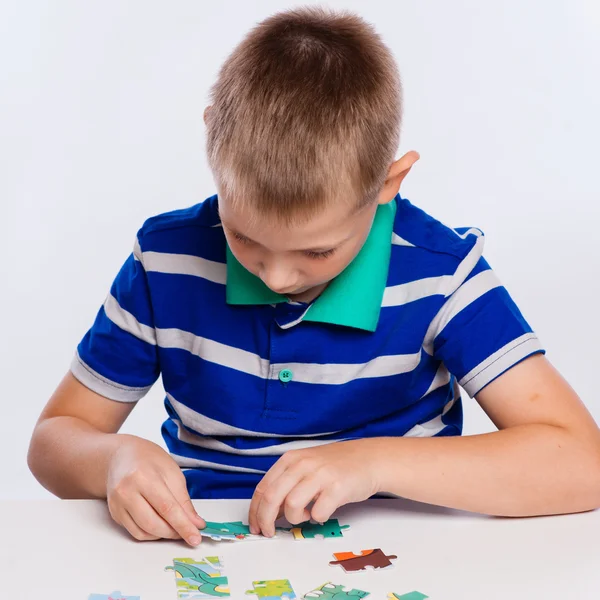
(352, 299)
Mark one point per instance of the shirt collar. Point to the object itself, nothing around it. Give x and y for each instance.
(352, 299)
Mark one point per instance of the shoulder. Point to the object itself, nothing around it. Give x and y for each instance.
(203, 214)
(194, 230)
(426, 250)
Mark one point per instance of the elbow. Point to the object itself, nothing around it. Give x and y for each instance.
(34, 453)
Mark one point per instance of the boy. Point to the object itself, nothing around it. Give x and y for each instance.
(312, 327)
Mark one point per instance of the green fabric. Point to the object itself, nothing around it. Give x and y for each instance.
(352, 299)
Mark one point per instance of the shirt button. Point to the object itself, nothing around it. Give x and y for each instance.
(285, 375)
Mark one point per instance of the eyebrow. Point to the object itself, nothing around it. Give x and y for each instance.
(316, 250)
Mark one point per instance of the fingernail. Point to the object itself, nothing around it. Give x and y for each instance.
(254, 529)
(195, 540)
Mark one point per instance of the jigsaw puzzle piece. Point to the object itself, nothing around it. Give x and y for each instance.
(273, 589)
(187, 567)
(228, 527)
(309, 530)
(199, 579)
(113, 596)
(351, 562)
(331, 591)
(409, 596)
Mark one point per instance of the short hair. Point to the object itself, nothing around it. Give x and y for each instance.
(305, 110)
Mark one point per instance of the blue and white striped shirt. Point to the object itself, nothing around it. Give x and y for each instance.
(249, 375)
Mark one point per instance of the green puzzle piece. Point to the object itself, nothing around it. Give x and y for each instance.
(329, 529)
(192, 577)
(409, 596)
(331, 591)
(227, 528)
(188, 567)
(272, 588)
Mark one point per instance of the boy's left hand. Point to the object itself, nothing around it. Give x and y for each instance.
(332, 475)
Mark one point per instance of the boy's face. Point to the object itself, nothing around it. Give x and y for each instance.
(297, 260)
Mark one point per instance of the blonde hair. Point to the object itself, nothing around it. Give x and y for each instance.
(306, 110)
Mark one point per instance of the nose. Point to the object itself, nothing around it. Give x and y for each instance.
(278, 277)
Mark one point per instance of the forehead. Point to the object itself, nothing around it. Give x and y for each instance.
(332, 225)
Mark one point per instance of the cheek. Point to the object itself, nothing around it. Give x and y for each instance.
(326, 270)
(246, 255)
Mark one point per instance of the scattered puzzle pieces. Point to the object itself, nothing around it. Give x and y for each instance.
(351, 562)
(331, 591)
(199, 579)
(409, 596)
(309, 530)
(113, 596)
(273, 589)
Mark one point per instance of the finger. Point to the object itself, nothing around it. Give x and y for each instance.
(149, 521)
(188, 507)
(166, 505)
(272, 475)
(273, 499)
(182, 496)
(326, 504)
(296, 504)
(134, 529)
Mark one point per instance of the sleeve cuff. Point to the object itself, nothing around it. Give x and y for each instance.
(499, 362)
(103, 386)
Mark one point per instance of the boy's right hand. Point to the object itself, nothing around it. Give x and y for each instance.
(147, 494)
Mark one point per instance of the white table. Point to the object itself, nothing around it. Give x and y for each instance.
(65, 550)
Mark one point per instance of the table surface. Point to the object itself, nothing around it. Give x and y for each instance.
(66, 550)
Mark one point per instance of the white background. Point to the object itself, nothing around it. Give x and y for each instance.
(101, 127)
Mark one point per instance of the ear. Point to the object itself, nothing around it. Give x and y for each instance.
(396, 174)
(206, 114)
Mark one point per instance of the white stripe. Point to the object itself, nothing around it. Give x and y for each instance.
(137, 251)
(397, 295)
(442, 377)
(469, 292)
(215, 352)
(104, 386)
(185, 462)
(206, 426)
(432, 427)
(445, 285)
(248, 362)
(466, 266)
(340, 373)
(277, 450)
(495, 364)
(472, 230)
(185, 264)
(399, 241)
(126, 321)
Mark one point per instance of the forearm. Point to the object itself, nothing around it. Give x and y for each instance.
(520, 471)
(70, 457)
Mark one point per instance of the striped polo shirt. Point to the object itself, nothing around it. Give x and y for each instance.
(249, 375)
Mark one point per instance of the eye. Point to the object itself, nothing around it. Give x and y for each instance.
(317, 255)
(240, 238)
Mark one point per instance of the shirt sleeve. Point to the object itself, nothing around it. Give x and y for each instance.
(480, 333)
(118, 356)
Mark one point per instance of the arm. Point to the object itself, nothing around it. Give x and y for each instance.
(544, 460)
(74, 440)
(76, 452)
